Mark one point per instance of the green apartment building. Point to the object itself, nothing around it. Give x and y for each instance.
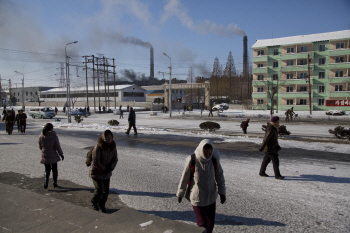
(284, 64)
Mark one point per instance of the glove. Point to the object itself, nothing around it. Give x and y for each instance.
(222, 198)
(62, 157)
(179, 199)
(260, 149)
(107, 170)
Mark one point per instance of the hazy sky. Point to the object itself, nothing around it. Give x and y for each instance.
(33, 34)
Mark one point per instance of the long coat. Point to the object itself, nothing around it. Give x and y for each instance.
(270, 142)
(103, 156)
(206, 182)
(50, 148)
(132, 117)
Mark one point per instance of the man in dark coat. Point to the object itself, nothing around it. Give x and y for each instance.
(17, 120)
(132, 121)
(22, 120)
(9, 121)
(271, 147)
(210, 111)
(245, 126)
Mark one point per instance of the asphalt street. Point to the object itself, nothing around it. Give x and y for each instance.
(312, 198)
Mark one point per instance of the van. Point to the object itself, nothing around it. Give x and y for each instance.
(42, 113)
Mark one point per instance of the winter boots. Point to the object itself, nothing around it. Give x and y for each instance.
(46, 181)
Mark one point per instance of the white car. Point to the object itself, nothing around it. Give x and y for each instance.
(220, 107)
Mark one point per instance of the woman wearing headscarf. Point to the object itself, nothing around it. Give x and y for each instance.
(201, 182)
(104, 160)
(51, 152)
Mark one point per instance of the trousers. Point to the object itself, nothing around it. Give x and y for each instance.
(275, 162)
(205, 216)
(101, 191)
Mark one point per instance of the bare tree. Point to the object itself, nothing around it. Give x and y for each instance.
(215, 78)
(76, 93)
(37, 97)
(228, 79)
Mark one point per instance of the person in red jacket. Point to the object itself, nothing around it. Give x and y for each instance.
(245, 126)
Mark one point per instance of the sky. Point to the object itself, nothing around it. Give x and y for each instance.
(34, 34)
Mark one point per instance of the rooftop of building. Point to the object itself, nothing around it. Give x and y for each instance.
(337, 35)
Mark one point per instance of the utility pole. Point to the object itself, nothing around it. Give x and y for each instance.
(93, 78)
(107, 80)
(10, 92)
(98, 84)
(87, 87)
(115, 99)
(309, 80)
(104, 77)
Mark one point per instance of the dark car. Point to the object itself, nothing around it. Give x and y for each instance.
(80, 112)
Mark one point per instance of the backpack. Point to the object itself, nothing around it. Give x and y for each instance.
(241, 125)
(89, 157)
(193, 163)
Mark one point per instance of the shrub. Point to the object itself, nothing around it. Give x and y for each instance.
(340, 132)
(210, 126)
(113, 122)
(282, 130)
(78, 119)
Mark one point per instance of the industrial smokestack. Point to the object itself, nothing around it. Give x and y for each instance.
(151, 73)
(245, 56)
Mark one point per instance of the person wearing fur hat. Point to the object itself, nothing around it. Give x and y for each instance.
(104, 160)
(201, 182)
(50, 146)
(271, 147)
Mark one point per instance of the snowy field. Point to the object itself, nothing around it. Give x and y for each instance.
(314, 197)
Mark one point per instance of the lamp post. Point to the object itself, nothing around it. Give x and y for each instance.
(23, 107)
(169, 84)
(68, 81)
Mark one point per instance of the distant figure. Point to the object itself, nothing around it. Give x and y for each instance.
(17, 120)
(51, 152)
(271, 147)
(245, 126)
(9, 120)
(104, 160)
(64, 109)
(99, 109)
(127, 108)
(56, 110)
(104, 108)
(289, 114)
(210, 112)
(88, 109)
(121, 112)
(22, 121)
(185, 107)
(132, 121)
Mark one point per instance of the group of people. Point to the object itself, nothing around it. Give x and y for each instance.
(11, 119)
(202, 179)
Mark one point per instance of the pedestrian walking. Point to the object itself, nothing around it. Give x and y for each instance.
(132, 121)
(22, 121)
(245, 125)
(17, 120)
(88, 109)
(201, 182)
(127, 108)
(210, 112)
(185, 107)
(99, 109)
(104, 108)
(121, 112)
(271, 147)
(51, 152)
(56, 110)
(9, 121)
(104, 160)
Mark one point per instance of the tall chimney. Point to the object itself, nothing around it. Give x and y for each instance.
(151, 73)
(245, 57)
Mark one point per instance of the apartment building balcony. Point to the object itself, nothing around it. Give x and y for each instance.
(292, 56)
(296, 68)
(339, 52)
(294, 94)
(294, 81)
(340, 65)
(260, 70)
(262, 58)
(338, 79)
(338, 94)
(260, 95)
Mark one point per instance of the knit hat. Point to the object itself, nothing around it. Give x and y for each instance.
(275, 119)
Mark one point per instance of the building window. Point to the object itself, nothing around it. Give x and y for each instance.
(260, 52)
(322, 47)
(275, 51)
(320, 89)
(260, 89)
(340, 45)
(17, 94)
(260, 77)
(260, 65)
(302, 75)
(290, 50)
(302, 101)
(290, 76)
(303, 89)
(303, 49)
(322, 61)
(27, 93)
(339, 59)
(320, 102)
(321, 74)
(338, 87)
(275, 64)
(134, 94)
(302, 62)
(289, 89)
(274, 76)
(260, 101)
(31, 93)
(339, 73)
(289, 101)
(290, 63)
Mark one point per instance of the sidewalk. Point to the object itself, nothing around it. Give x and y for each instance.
(22, 210)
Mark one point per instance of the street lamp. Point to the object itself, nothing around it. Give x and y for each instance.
(23, 107)
(169, 84)
(68, 81)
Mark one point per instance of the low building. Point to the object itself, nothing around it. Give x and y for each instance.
(284, 65)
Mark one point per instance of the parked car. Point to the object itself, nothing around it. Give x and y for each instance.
(335, 112)
(220, 107)
(80, 112)
(42, 113)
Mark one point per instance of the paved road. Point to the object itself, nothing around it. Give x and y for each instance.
(314, 196)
